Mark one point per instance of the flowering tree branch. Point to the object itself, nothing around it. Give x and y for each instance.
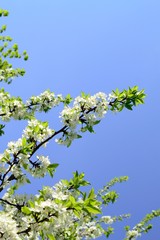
(63, 211)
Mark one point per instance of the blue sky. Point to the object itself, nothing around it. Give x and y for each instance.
(94, 46)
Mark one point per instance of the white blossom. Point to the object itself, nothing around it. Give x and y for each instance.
(107, 219)
(133, 234)
(37, 130)
(8, 227)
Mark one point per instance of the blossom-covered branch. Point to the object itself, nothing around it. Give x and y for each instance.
(86, 112)
(64, 211)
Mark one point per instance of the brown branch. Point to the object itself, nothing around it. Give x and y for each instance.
(18, 206)
(62, 130)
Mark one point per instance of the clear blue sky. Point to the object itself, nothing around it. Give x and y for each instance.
(96, 46)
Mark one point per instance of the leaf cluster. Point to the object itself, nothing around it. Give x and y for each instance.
(127, 99)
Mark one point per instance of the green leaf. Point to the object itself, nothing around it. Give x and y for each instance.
(1, 131)
(128, 106)
(90, 129)
(45, 124)
(15, 47)
(97, 122)
(92, 209)
(79, 136)
(68, 99)
(28, 181)
(5, 13)
(127, 228)
(26, 57)
(32, 204)
(26, 210)
(25, 165)
(51, 168)
(108, 232)
(84, 129)
(51, 237)
(24, 141)
(91, 194)
(36, 129)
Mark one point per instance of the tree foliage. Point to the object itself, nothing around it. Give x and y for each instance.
(64, 211)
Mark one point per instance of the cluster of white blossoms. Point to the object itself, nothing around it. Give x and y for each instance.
(89, 230)
(97, 104)
(70, 116)
(44, 101)
(16, 158)
(111, 97)
(14, 107)
(8, 227)
(50, 213)
(107, 219)
(59, 212)
(10, 107)
(37, 130)
(59, 191)
(86, 111)
(10, 164)
(67, 138)
(9, 71)
(41, 169)
(133, 234)
(14, 146)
